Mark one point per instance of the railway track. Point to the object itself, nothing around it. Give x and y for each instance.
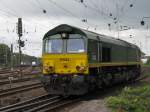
(15, 90)
(7, 71)
(3, 77)
(44, 103)
(40, 104)
(23, 73)
(16, 81)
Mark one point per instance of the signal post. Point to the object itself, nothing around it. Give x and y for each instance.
(20, 42)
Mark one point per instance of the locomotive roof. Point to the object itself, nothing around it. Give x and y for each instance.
(88, 34)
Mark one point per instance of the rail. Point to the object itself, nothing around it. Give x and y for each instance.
(42, 103)
(19, 89)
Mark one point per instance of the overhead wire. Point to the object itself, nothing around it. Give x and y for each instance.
(119, 9)
(100, 12)
(44, 27)
(38, 5)
(11, 11)
(45, 11)
(96, 10)
(7, 13)
(106, 15)
(15, 14)
(65, 10)
(124, 8)
(57, 5)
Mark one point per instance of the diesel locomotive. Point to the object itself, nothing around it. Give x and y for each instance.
(76, 61)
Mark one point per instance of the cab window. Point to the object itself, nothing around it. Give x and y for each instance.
(55, 44)
(75, 46)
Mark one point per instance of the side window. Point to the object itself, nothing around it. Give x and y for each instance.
(93, 50)
(106, 54)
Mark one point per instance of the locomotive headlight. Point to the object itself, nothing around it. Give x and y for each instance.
(80, 68)
(64, 35)
(49, 68)
(45, 68)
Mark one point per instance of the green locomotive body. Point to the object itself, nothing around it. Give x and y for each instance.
(103, 61)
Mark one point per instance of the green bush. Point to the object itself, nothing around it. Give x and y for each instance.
(147, 64)
(148, 61)
(131, 100)
(146, 75)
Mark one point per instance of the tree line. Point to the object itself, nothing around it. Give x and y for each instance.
(7, 58)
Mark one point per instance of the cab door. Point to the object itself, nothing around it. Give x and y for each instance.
(93, 51)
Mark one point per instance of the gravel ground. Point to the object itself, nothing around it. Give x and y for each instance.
(11, 99)
(87, 106)
(95, 102)
(21, 96)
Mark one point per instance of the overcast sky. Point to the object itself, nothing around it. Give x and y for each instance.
(98, 13)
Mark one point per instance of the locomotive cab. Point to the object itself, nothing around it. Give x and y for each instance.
(64, 54)
(65, 61)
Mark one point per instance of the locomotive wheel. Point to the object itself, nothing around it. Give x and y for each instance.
(107, 79)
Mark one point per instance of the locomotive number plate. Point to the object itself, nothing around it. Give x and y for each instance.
(64, 59)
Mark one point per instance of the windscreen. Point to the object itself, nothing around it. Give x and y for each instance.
(75, 45)
(55, 44)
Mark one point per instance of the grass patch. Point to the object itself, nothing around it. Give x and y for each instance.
(146, 75)
(146, 65)
(131, 99)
